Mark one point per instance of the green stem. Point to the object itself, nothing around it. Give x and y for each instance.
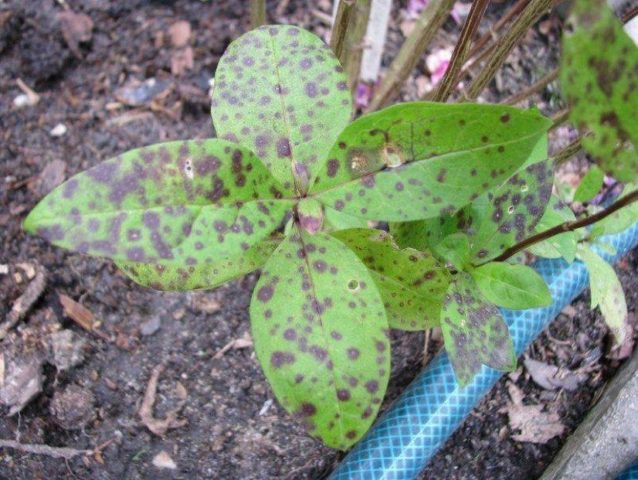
(354, 41)
(568, 152)
(257, 13)
(461, 50)
(535, 9)
(429, 22)
(567, 227)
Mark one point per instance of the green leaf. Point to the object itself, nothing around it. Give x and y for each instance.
(191, 202)
(563, 245)
(620, 220)
(310, 215)
(455, 249)
(420, 160)
(497, 219)
(175, 276)
(474, 332)
(280, 92)
(412, 284)
(336, 221)
(512, 286)
(590, 185)
(598, 75)
(320, 333)
(606, 292)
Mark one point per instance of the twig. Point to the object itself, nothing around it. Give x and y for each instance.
(24, 302)
(40, 449)
(534, 10)
(568, 152)
(532, 89)
(567, 227)
(355, 41)
(461, 50)
(429, 22)
(559, 118)
(155, 425)
(342, 21)
(257, 13)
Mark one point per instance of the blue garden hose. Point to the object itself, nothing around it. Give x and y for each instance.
(630, 474)
(406, 437)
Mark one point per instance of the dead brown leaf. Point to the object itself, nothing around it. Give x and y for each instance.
(157, 426)
(180, 33)
(551, 377)
(534, 425)
(76, 28)
(77, 312)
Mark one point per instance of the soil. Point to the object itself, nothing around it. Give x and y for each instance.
(227, 424)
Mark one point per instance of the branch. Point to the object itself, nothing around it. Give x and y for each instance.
(39, 449)
(532, 89)
(567, 227)
(354, 41)
(568, 152)
(429, 22)
(340, 28)
(257, 13)
(461, 50)
(535, 9)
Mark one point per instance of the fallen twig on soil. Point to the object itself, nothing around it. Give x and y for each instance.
(155, 425)
(40, 449)
(24, 302)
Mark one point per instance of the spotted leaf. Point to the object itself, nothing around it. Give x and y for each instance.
(412, 283)
(190, 202)
(421, 160)
(494, 221)
(280, 92)
(563, 245)
(474, 332)
(599, 75)
(174, 276)
(320, 333)
(606, 292)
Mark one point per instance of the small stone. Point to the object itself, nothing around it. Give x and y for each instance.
(73, 408)
(59, 130)
(52, 175)
(150, 326)
(24, 100)
(22, 382)
(180, 33)
(164, 460)
(67, 349)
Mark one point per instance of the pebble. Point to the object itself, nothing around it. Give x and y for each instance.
(73, 408)
(164, 460)
(67, 348)
(150, 326)
(59, 130)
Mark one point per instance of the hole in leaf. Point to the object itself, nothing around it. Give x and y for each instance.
(353, 285)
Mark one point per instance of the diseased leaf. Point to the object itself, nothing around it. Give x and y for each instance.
(494, 221)
(336, 220)
(421, 160)
(598, 75)
(280, 91)
(563, 245)
(512, 286)
(190, 202)
(412, 284)
(620, 220)
(590, 185)
(174, 276)
(310, 215)
(606, 292)
(320, 333)
(474, 332)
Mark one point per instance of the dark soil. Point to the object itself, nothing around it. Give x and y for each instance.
(233, 428)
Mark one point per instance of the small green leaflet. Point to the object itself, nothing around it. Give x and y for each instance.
(321, 336)
(174, 276)
(455, 249)
(590, 185)
(563, 245)
(474, 332)
(512, 286)
(421, 160)
(620, 220)
(280, 92)
(598, 74)
(188, 202)
(606, 292)
(412, 284)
